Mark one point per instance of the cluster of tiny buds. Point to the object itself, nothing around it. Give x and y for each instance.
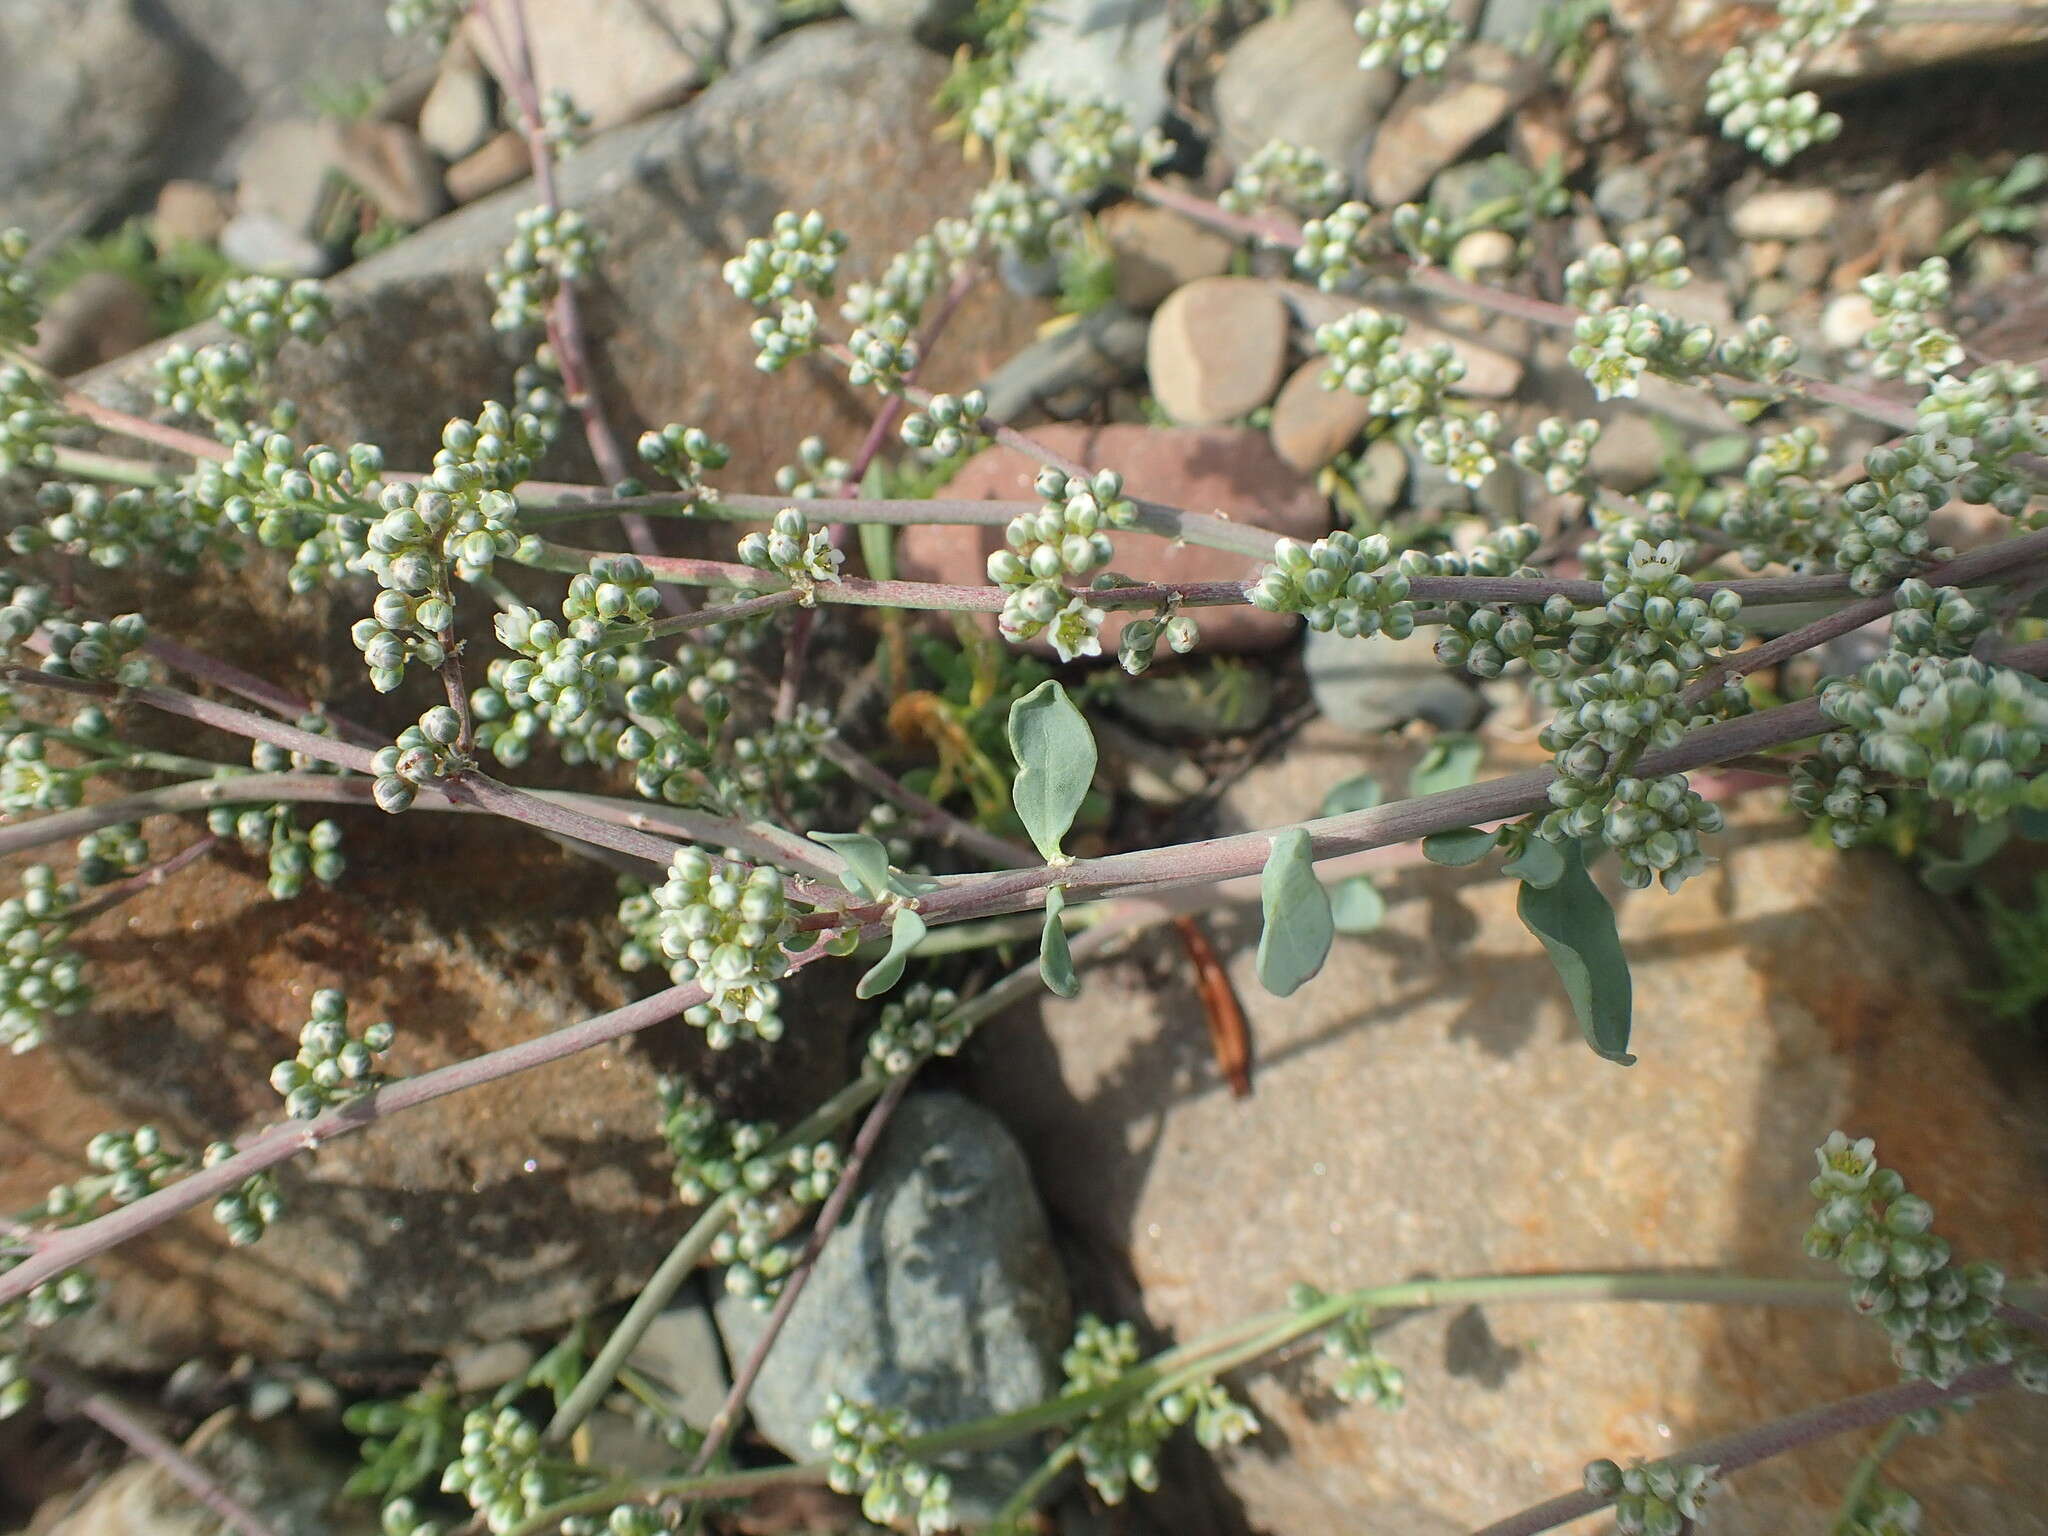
(1463, 445)
(882, 354)
(66, 1295)
(1561, 452)
(1615, 347)
(1908, 341)
(291, 853)
(499, 1470)
(1751, 92)
(1942, 1320)
(802, 555)
(1068, 536)
(265, 311)
(250, 1209)
(1338, 583)
(112, 528)
(100, 651)
(1934, 621)
(423, 752)
(915, 1024)
(947, 424)
(1288, 176)
(1998, 409)
(722, 925)
(20, 290)
(816, 472)
(29, 781)
(130, 1164)
(866, 1448)
(331, 1066)
(1139, 642)
(1333, 248)
(1366, 358)
(562, 123)
(800, 254)
(684, 454)
(1416, 36)
(39, 976)
(1832, 788)
(432, 19)
(1364, 1375)
(1601, 278)
(1660, 1498)
(550, 247)
(107, 854)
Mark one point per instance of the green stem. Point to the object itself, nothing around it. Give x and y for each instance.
(1864, 1478)
(87, 465)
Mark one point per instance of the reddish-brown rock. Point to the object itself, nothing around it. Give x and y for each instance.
(1228, 471)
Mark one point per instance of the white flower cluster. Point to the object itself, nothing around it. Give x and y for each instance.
(1751, 92)
(1909, 341)
(1119, 1446)
(1366, 358)
(1614, 348)
(866, 1448)
(1415, 36)
(1341, 583)
(1068, 536)
(799, 255)
(1660, 1498)
(1288, 176)
(1463, 445)
(331, 1066)
(721, 924)
(794, 550)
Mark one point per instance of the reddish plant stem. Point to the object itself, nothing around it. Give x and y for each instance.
(141, 428)
(227, 676)
(118, 1421)
(726, 1419)
(1732, 1453)
(928, 817)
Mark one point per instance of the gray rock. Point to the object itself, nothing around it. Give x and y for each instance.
(926, 20)
(1433, 122)
(87, 95)
(1068, 370)
(97, 318)
(1370, 685)
(391, 167)
(1625, 194)
(1295, 76)
(1111, 49)
(939, 1295)
(680, 1351)
(1425, 1106)
(1462, 190)
(268, 245)
(283, 173)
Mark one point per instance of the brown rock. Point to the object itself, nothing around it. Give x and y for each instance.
(101, 316)
(189, 212)
(1311, 424)
(1432, 122)
(1785, 213)
(1539, 134)
(1426, 1106)
(392, 168)
(1157, 250)
(1484, 253)
(1216, 349)
(502, 161)
(283, 173)
(1227, 471)
(456, 116)
(1490, 374)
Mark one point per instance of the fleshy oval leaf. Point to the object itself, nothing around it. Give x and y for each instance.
(1055, 754)
(906, 930)
(1451, 762)
(1298, 930)
(867, 862)
(1356, 906)
(1055, 960)
(1459, 847)
(1576, 924)
(1541, 863)
(1360, 793)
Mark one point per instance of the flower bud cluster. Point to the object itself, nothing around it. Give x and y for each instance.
(1908, 340)
(1751, 92)
(20, 290)
(267, 311)
(40, 978)
(216, 381)
(914, 277)
(721, 924)
(318, 503)
(1482, 638)
(715, 1157)
(866, 1447)
(1998, 408)
(28, 418)
(563, 124)
(292, 852)
(1599, 280)
(916, 1024)
(1972, 734)
(107, 854)
(113, 528)
(29, 781)
(1334, 248)
(816, 472)
(1140, 639)
(1941, 1318)
(1288, 176)
(1068, 536)
(62, 1296)
(1341, 583)
(1833, 789)
(1758, 350)
(562, 669)
(1366, 359)
(1561, 452)
(683, 454)
(502, 1470)
(100, 651)
(1364, 1375)
(1659, 1498)
(1119, 1447)
(1423, 232)
(252, 1207)
(431, 749)
(23, 608)
(1463, 445)
(798, 255)
(431, 19)
(883, 355)
(1934, 621)
(1888, 513)
(947, 424)
(1779, 511)
(126, 1166)
(331, 1066)
(1017, 220)
(1615, 347)
(794, 550)
(1415, 36)
(550, 247)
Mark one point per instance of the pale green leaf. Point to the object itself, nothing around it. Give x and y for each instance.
(1465, 845)
(1055, 754)
(1576, 925)
(906, 931)
(1540, 863)
(1451, 762)
(1356, 794)
(1296, 937)
(1356, 905)
(867, 862)
(1055, 960)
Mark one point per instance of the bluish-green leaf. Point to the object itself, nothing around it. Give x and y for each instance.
(1465, 845)
(1356, 905)
(1298, 929)
(906, 929)
(867, 862)
(1055, 960)
(1357, 794)
(1540, 863)
(1451, 762)
(1576, 925)
(1055, 754)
